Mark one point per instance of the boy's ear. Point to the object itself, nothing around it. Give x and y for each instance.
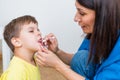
(16, 42)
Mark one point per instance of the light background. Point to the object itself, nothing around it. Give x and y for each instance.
(56, 16)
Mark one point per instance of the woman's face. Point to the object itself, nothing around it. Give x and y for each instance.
(85, 18)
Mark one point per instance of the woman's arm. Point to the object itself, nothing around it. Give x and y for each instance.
(49, 59)
(68, 73)
(65, 57)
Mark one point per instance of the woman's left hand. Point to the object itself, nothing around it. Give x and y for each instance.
(52, 42)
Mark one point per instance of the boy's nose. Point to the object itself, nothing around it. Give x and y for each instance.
(39, 33)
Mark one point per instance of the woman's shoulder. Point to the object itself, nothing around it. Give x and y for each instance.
(110, 72)
(85, 44)
(111, 65)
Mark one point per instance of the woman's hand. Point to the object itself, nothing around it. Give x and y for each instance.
(47, 58)
(52, 42)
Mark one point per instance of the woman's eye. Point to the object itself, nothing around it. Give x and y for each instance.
(82, 14)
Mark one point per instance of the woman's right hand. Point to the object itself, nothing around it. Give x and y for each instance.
(52, 42)
(47, 58)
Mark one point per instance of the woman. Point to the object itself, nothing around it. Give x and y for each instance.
(100, 20)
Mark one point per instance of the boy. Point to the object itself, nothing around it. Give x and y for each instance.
(24, 39)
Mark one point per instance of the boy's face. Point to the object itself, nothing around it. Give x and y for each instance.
(30, 37)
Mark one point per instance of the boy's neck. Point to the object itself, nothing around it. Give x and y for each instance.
(26, 56)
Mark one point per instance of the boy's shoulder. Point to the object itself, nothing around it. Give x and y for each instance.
(21, 69)
(15, 69)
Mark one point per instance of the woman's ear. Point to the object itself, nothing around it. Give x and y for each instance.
(16, 42)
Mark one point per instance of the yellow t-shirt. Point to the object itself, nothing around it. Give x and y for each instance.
(21, 70)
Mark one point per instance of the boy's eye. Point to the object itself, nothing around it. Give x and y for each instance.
(38, 30)
(31, 31)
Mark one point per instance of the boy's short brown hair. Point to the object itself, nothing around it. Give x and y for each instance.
(13, 28)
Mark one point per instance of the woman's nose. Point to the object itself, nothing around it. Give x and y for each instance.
(77, 17)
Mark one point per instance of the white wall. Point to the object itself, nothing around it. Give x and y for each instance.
(54, 16)
(0, 46)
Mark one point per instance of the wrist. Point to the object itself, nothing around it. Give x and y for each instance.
(61, 66)
(57, 51)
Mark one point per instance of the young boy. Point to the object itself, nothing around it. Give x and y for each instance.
(24, 38)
